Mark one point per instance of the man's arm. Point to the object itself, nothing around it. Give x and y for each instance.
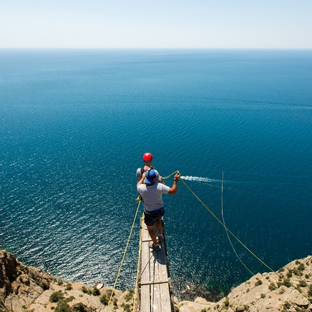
(139, 173)
(142, 180)
(174, 188)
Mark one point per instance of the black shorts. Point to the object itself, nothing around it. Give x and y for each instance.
(152, 216)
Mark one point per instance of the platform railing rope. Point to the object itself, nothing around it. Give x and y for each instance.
(227, 233)
(221, 223)
(135, 301)
(139, 200)
(124, 255)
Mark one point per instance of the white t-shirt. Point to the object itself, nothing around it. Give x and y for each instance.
(152, 195)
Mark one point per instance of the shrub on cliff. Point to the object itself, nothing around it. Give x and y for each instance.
(62, 306)
(85, 290)
(272, 286)
(68, 286)
(129, 295)
(104, 300)
(126, 307)
(95, 292)
(80, 307)
(44, 285)
(287, 282)
(56, 296)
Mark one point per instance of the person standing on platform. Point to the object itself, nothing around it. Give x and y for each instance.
(151, 192)
(147, 159)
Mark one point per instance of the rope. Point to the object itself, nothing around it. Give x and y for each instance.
(226, 227)
(138, 267)
(170, 175)
(139, 199)
(227, 234)
(123, 258)
(143, 269)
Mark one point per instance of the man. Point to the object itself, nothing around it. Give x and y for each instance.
(147, 159)
(151, 193)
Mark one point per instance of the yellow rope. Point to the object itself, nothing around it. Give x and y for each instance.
(138, 266)
(226, 227)
(170, 175)
(123, 258)
(227, 234)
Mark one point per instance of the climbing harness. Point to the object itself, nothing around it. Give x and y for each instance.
(143, 170)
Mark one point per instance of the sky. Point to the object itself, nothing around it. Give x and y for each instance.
(173, 24)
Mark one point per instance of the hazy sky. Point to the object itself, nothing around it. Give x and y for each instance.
(156, 24)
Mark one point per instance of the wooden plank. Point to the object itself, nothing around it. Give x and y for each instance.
(145, 272)
(164, 293)
(159, 292)
(154, 285)
(155, 296)
(151, 283)
(165, 298)
(165, 288)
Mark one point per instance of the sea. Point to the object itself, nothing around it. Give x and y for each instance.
(237, 124)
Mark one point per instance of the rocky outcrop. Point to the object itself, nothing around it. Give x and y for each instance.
(288, 289)
(24, 288)
(20, 285)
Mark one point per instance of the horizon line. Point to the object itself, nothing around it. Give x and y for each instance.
(146, 48)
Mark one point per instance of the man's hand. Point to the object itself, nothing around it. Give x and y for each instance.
(174, 188)
(177, 176)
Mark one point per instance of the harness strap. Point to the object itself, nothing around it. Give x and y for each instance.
(142, 169)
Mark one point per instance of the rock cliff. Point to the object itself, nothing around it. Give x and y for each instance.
(24, 288)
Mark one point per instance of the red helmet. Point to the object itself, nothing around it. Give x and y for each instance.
(147, 157)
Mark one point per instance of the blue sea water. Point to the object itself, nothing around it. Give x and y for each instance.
(74, 125)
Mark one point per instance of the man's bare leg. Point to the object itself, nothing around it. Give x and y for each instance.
(152, 233)
(158, 227)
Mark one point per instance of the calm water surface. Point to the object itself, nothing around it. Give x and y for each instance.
(74, 125)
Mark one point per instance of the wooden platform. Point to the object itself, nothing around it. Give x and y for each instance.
(155, 291)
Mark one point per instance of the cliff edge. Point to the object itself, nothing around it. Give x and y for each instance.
(24, 288)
